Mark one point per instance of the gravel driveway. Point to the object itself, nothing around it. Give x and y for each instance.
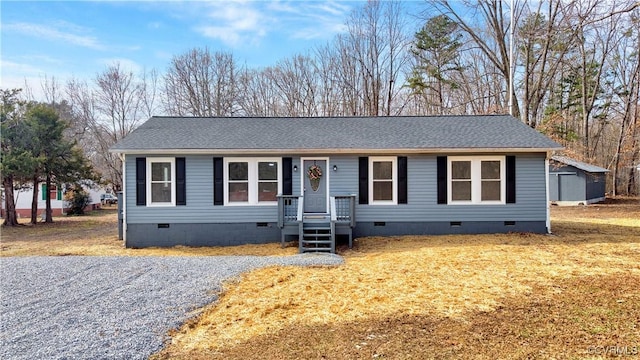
(110, 307)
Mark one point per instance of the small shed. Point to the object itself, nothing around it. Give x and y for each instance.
(573, 182)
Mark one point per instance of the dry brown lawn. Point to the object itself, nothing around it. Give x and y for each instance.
(97, 234)
(571, 295)
(574, 294)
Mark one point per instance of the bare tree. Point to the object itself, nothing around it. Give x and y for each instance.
(625, 64)
(199, 83)
(117, 104)
(372, 55)
(489, 34)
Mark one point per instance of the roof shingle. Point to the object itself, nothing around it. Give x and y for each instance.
(578, 164)
(333, 134)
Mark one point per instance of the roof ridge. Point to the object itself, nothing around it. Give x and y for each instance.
(327, 117)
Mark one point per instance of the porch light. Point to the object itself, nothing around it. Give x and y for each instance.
(335, 167)
(295, 168)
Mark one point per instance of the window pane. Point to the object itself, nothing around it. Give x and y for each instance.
(160, 171)
(490, 170)
(382, 170)
(238, 171)
(461, 190)
(491, 190)
(160, 193)
(238, 192)
(267, 171)
(267, 191)
(382, 190)
(461, 169)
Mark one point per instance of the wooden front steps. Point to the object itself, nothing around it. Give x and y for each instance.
(317, 234)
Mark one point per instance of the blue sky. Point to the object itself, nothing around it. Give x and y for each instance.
(78, 39)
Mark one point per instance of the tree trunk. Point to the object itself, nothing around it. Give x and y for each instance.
(34, 201)
(48, 217)
(10, 215)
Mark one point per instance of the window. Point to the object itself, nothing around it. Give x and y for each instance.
(383, 183)
(252, 181)
(491, 178)
(476, 180)
(238, 181)
(160, 187)
(267, 181)
(55, 193)
(461, 180)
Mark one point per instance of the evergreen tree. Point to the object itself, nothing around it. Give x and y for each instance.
(436, 49)
(60, 160)
(16, 159)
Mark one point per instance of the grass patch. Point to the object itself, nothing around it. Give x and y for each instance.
(531, 325)
(412, 297)
(96, 234)
(417, 297)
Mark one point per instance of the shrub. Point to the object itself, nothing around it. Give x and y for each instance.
(77, 199)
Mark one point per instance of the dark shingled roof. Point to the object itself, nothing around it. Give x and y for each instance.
(333, 134)
(578, 164)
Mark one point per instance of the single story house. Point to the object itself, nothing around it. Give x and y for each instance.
(572, 182)
(23, 198)
(225, 181)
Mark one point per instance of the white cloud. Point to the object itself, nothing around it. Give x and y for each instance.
(125, 64)
(243, 23)
(331, 7)
(9, 67)
(235, 23)
(64, 32)
(22, 76)
(311, 20)
(231, 38)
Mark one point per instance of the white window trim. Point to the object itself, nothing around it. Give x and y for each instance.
(476, 180)
(151, 160)
(252, 163)
(394, 180)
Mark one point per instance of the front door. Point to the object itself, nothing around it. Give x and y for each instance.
(315, 186)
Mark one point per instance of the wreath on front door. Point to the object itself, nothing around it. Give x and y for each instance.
(315, 174)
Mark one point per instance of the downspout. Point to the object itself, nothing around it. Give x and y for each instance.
(546, 181)
(124, 199)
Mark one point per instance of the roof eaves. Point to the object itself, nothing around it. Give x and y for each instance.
(329, 151)
(579, 164)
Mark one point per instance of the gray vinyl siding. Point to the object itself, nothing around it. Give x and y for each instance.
(421, 207)
(422, 199)
(199, 208)
(554, 187)
(567, 183)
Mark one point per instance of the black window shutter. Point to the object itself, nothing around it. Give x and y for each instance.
(402, 180)
(181, 182)
(363, 180)
(511, 179)
(218, 181)
(287, 176)
(442, 179)
(141, 181)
